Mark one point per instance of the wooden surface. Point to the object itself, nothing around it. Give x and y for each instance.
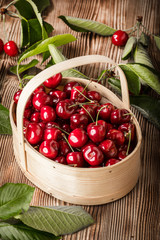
(137, 215)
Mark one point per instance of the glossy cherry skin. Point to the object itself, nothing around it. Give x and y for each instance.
(27, 113)
(60, 159)
(52, 133)
(93, 155)
(75, 159)
(94, 95)
(47, 114)
(51, 124)
(119, 38)
(75, 95)
(87, 108)
(35, 117)
(34, 133)
(122, 154)
(106, 125)
(53, 81)
(108, 148)
(111, 162)
(96, 132)
(66, 127)
(78, 121)
(25, 122)
(78, 138)
(1, 46)
(120, 116)
(11, 49)
(106, 111)
(64, 110)
(39, 89)
(128, 128)
(49, 148)
(64, 148)
(68, 87)
(16, 96)
(40, 100)
(116, 136)
(42, 125)
(57, 96)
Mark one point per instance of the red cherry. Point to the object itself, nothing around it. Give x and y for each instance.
(78, 138)
(47, 114)
(119, 116)
(34, 133)
(1, 46)
(93, 155)
(35, 117)
(64, 148)
(16, 96)
(116, 136)
(96, 132)
(11, 48)
(25, 122)
(94, 95)
(128, 128)
(106, 125)
(39, 89)
(75, 159)
(122, 154)
(57, 96)
(60, 159)
(111, 161)
(53, 81)
(119, 38)
(78, 121)
(27, 113)
(42, 125)
(52, 124)
(108, 148)
(40, 100)
(68, 87)
(106, 111)
(66, 127)
(88, 108)
(75, 95)
(52, 133)
(64, 110)
(49, 148)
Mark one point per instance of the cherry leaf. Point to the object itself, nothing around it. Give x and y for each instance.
(129, 47)
(85, 25)
(157, 41)
(24, 67)
(5, 127)
(144, 39)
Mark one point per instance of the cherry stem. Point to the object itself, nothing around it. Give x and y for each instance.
(87, 84)
(146, 29)
(11, 3)
(129, 142)
(82, 94)
(64, 136)
(99, 113)
(87, 112)
(20, 80)
(61, 129)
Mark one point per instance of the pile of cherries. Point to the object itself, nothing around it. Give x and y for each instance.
(72, 127)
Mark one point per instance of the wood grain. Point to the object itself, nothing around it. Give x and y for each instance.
(137, 215)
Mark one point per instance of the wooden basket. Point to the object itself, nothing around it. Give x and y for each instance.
(86, 186)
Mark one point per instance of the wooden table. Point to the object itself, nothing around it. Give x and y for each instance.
(137, 215)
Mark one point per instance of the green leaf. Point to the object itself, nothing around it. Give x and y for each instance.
(42, 46)
(49, 28)
(85, 25)
(58, 57)
(148, 106)
(58, 220)
(157, 40)
(5, 127)
(129, 47)
(42, 4)
(24, 33)
(27, 77)
(141, 56)
(14, 198)
(20, 231)
(144, 39)
(115, 84)
(147, 75)
(134, 84)
(25, 9)
(35, 31)
(24, 67)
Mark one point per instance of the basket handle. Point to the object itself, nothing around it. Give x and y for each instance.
(49, 72)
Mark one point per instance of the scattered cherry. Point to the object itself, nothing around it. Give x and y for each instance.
(1, 46)
(11, 49)
(119, 38)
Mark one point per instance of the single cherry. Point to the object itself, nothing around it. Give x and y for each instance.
(119, 38)
(77, 96)
(93, 155)
(47, 114)
(108, 148)
(16, 96)
(35, 117)
(116, 136)
(78, 138)
(94, 95)
(60, 159)
(105, 112)
(57, 96)
(34, 133)
(1, 46)
(64, 148)
(53, 81)
(120, 116)
(66, 127)
(49, 148)
(52, 133)
(39, 89)
(68, 87)
(52, 124)
(40, 100)
(11, 49)
(75, 159)
(78, 121)
(122, 154)
(65, 108)
(111, 161)
(96, 132)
